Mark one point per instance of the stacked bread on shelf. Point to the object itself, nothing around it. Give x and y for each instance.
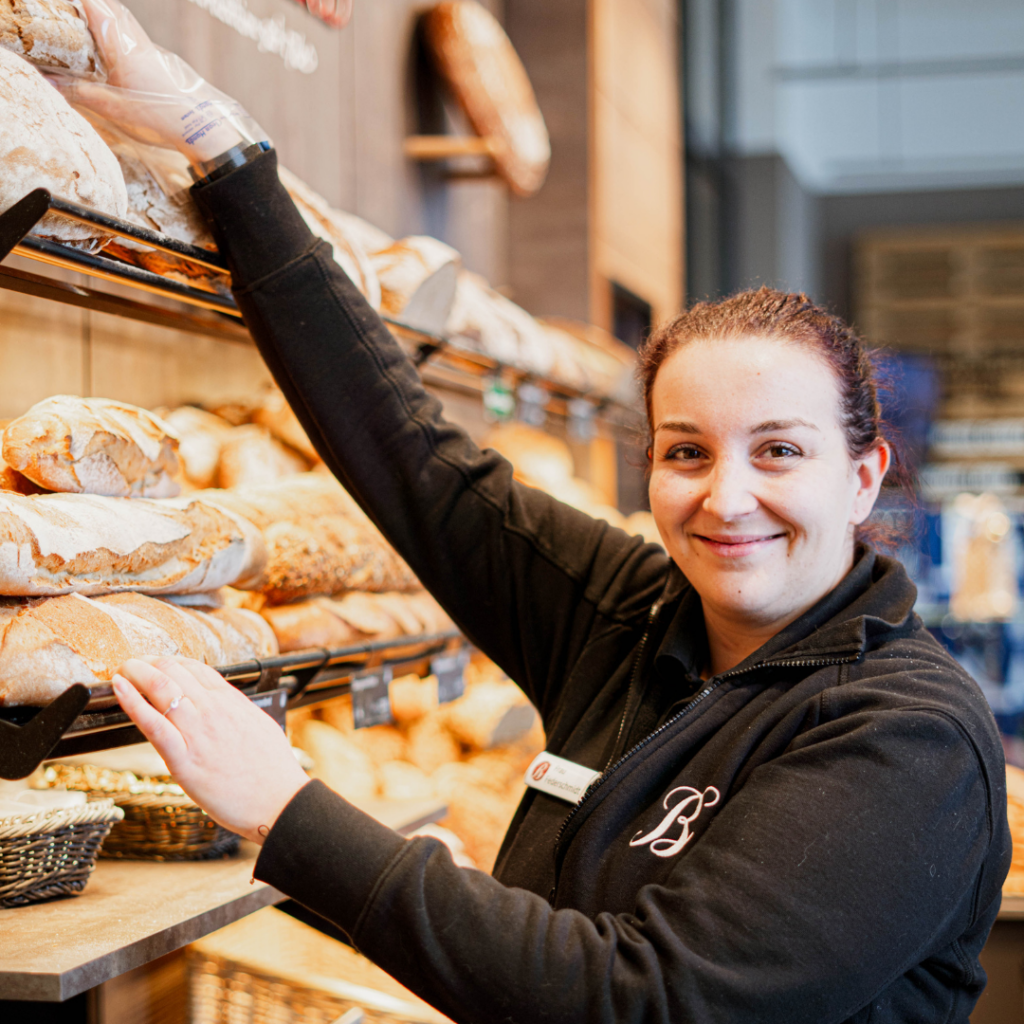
(471, 753)
(93, 573)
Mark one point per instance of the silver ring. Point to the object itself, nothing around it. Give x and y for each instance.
(174, 703)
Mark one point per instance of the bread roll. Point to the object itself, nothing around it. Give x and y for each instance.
(412, 698)
(64, 543)
(201, 435)
(430, 743)
(339, 763)
(93, 446)
(51, 34)
(46, 144)
(276, 415)
(400, 780)
(381, 742)
(490, 714)
(48, 645)
(250, 457)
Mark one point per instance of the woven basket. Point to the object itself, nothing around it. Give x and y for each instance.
(48, 853)
(271, 969)
(160, 821)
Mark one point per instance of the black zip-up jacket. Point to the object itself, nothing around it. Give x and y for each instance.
(816, 835)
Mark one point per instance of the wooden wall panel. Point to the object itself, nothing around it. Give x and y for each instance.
(636, 156)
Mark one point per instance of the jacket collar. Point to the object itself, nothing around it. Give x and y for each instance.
(874, 598)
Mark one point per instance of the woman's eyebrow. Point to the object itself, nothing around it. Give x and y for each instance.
(679, 426)
(769, 426)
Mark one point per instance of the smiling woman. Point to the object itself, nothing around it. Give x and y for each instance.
(778, 799)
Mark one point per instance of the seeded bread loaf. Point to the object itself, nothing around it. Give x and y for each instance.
(46, 144)
(79, 543)
(318, 540)
(47, 645)
(93, 446)
(51, 34)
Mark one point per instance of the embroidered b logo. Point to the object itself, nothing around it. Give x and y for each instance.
(684, 804)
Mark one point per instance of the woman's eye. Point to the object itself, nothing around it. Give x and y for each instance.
(780, 450)
(684, 453)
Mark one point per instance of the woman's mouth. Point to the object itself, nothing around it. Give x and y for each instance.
(736, 545)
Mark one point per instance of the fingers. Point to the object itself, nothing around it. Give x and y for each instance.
(161, 732)
(208, 677)
(161, 679)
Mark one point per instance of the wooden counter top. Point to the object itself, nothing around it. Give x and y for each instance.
(132, 912)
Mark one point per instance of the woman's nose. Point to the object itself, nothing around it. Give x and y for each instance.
(729, 490)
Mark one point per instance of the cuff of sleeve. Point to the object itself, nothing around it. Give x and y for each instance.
(253, 220)
(327, 854)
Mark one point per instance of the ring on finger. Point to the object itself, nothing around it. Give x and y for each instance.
(174, 703)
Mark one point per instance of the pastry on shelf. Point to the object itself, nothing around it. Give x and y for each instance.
(46, 144)
(93, 446)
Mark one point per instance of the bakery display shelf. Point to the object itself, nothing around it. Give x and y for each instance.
(441, 363)
(68, 726)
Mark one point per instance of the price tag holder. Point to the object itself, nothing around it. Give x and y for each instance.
(450, 670)
(273, 702)
(499, 402)
(531, 405)
(371, 704)
(581, 420)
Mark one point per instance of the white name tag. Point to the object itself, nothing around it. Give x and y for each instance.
(558, 777)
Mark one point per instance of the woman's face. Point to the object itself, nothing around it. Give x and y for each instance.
(752, 486)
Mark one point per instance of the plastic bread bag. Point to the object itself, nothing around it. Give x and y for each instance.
(154, 97)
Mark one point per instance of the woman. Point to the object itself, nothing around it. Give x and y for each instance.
(798, 811)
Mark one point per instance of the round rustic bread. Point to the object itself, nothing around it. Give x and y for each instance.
(52, 34)
(45, 144)
(484, 72)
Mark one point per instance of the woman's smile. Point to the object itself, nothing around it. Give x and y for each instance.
(740, 545)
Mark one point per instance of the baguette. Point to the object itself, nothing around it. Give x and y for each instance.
(52, 34)
(93, 446)
(48, 645)
(79, 543)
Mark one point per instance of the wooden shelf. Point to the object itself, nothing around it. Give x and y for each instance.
(1012, 908)
(133, 912)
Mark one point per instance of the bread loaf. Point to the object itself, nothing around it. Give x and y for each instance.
(46, 144)
(276, 415)
(93, 446)
(318, 541)
(47, 645)
(249, 457)
(405, 265)
(64, 543)
(52, 34)
(336, 228)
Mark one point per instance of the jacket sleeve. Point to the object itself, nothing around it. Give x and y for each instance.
(523, 575)
(837, 868)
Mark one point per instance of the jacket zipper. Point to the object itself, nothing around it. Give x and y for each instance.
(707, 691)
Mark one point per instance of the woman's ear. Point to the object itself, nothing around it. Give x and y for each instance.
(870, 470)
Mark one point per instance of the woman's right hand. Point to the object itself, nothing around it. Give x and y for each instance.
(151, 94)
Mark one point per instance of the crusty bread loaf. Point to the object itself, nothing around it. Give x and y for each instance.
(318, 541)
(310, 623)
(93, 446)
(46, 144)
(249, 456)
(82, 543)
(47, 645)
(405, 265)
(12, 480)
(340, 231)
(52, 34)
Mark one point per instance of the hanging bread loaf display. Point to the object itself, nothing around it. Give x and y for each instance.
(481, 67)
(51, 34)
(81, 543)
(93, 446)
(46, 144)
(48, 645)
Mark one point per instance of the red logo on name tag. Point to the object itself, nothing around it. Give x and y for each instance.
(541, 770)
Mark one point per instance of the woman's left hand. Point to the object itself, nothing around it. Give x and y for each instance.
(230, 757)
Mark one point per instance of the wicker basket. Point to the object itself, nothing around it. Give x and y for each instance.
(48, 853)
(271, 969)
(160, 821)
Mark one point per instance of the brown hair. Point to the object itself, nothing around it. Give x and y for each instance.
(790, 316)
